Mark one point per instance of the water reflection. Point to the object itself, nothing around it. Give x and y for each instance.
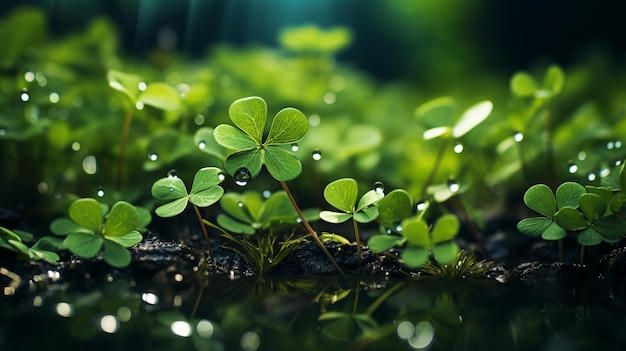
(329, 313)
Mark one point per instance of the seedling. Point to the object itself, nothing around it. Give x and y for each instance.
(429, 113)
(14, 240)
(159, 95)
(87, 231)
(396, 215)
(251, 151)
(205, 191)
(342, 194)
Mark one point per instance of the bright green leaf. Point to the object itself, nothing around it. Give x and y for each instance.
(416, 232)
(169, 188)
(87, 214)
(534, 226)
(206, 178)
(281, 164)
(568, 194)
(161, 96)
(250, 159)
(394, 207)
(369, 198)
(124, 82)
(233, 204)
(553, 232)
(234, 226)
(471, 118)
(173, 208)
(570, 219)
(436, 112)
(207, 197)
(115, 254)
(446, 228)
(523, 85)
(554, 79)
(127, 240)
(593, 206)
(342, 194)
(122, 219)
(289, 125)
(84, 245)
(384, 242)
(233, 138)
(414, 257)
(366, 215)
(205, 139)
(335, 217)
(446, 252)
(249, 114)
(540, 199)
(589, 237)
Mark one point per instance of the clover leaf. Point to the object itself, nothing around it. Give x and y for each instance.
(205, 191)
(87, 231)
(13, 240)
(540, 199)
(422, 243)
(250, 150)
(393, 209)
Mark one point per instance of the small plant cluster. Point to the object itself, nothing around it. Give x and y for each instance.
(595, 213)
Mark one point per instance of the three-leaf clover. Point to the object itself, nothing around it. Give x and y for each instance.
(540, 199)
(393, 209)
(87, 231)
(13, 240)
(251, 150)
(342, 194)
(422, 243)
(205, 191)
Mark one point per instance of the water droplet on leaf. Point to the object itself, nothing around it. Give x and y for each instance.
(240, 204)
(142, 86)
(618, 144)
(317, 155)
(172, 174)
(171, 189)
(591, 177)
(100, 192)
(572, 168)
(76, 146)
(242, 176)
(24, 95)
(458, 148)
(221, 176)
(604, 172)
(153, 156)
(610, 145)
(202, 144)
(518, 136)
(420, 206)
(29, 76)
(397, 225)
(379, 187)
(294, 147)
(298, 220)
(453, 185)
(267, 194)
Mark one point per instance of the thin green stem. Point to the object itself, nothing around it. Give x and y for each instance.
(309, 228)
(215, 226)
(358, 240)
(435, 168)
(120, 161)
(204, 231)
(582, 254)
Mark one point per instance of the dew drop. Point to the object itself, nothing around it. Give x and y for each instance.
(618, 163)
(152, 156)
(172, 174)
(298, 220)
(572, 168)
(294, 147)
(388, 231)
(379, 187)
(610, 145)
(518, 136)
(24, 95)
(591, 177)
(142, 86)
(453, 185)
(171, 189)
(201, 144)
(76, 146)
(420, 206)
(242, 176)
(604, 172)
(397, 225)
(317, 155)
(618, 144)
(221, 176)
(240, 204)
(29, 76)
(267, 194)
(199, 120)
(100, 192)
(458, 148)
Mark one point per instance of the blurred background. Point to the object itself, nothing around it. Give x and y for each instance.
(408, 39)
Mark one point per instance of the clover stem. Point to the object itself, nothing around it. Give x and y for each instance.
(356, 297)
(204, 232)
(358, 240)
(309, 228)
(435, 168)
(120, 160)
(582, 254)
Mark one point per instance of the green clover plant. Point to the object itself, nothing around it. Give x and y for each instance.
(204, 192)
(252, 150)
(396, 215)
(342, 194)
(14, 240)
(87, 230)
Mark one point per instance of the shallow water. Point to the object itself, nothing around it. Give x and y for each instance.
(327, 313)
